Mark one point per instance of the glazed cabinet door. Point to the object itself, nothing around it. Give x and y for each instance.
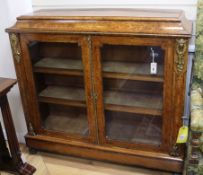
(133, 82)
(59, 87)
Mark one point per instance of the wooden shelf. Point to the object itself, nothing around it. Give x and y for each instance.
(59, 66)
(71, 123)
(63, 96)
(150, 78)
(134, 109)
(119, 70)
(133, 129)
(60, 101)
(60, 63)
(132, 71)
(114, 101)
(58, 71)
(133, 102)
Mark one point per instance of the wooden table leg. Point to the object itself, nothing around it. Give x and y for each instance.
(21, 168)
(3, 148)
(5, 158)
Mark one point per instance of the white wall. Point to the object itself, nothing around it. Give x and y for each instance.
(189, 6)
(9, 9)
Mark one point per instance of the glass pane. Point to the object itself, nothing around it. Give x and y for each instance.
(131, 60)
(133, 93)
(59, 80)
(72, 120)
(134, 128)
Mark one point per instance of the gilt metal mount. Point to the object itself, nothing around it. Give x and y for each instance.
(15, 47)
(180, 51)
(30, 129)
(175, 151)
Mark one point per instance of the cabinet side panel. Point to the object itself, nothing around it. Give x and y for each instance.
(179, 80)
(20, 72)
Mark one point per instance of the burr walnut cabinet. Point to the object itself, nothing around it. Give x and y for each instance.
(105, 84)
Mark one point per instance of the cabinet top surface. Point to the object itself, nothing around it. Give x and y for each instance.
(106, 21)
(108, 14)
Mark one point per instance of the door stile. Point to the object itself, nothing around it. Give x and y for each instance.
(88, 77)
(98, 89)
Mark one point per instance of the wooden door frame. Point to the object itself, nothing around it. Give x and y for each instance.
(166, 44)
(34, 114)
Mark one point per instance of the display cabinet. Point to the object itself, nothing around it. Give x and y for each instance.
(106, 84)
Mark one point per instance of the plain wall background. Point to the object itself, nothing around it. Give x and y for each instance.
(189, 6)
(10, 9)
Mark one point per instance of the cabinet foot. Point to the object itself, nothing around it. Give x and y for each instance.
(26, 169)
(32, 151)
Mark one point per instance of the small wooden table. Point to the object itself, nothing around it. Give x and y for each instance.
(12, 161)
